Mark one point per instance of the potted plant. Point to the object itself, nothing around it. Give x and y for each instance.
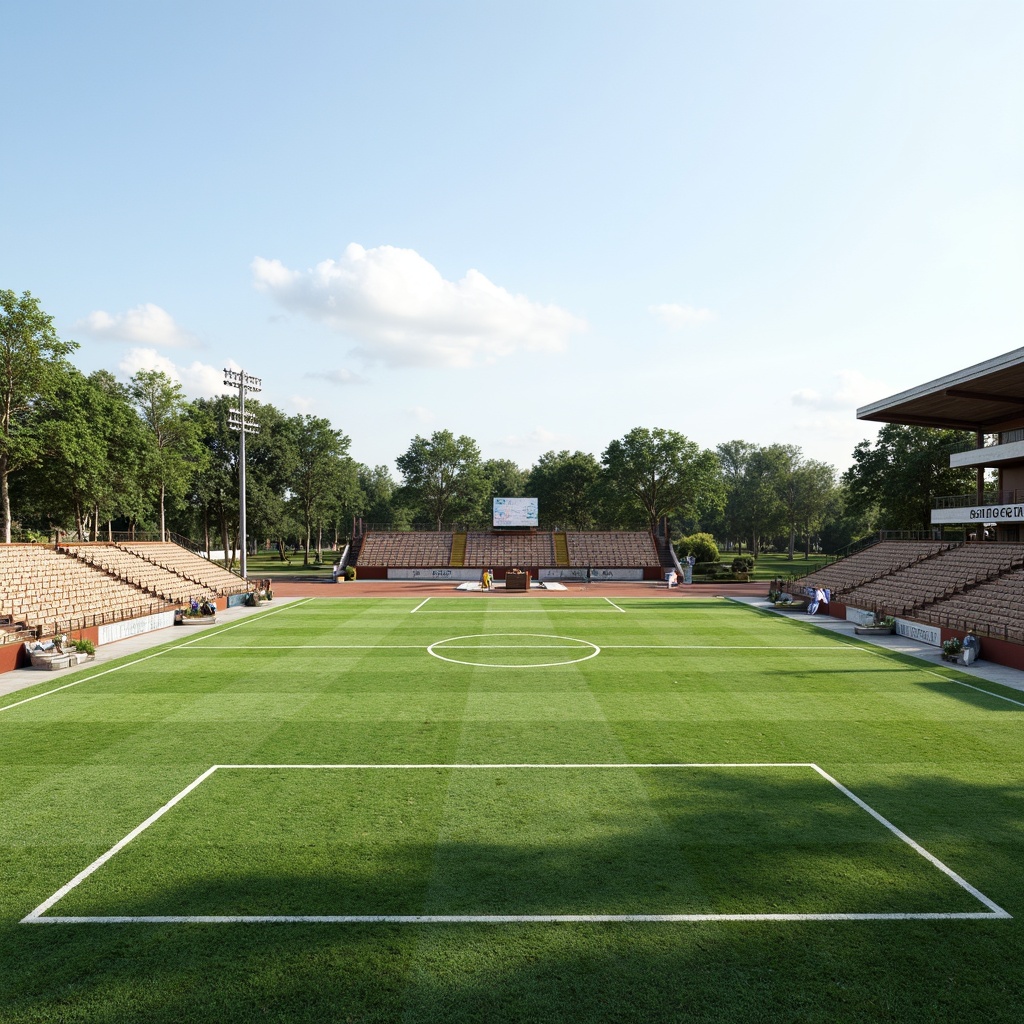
(951, 648)
(880, 627)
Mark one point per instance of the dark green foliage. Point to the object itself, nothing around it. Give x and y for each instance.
(898, 476)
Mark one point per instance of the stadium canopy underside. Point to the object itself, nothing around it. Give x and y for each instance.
(985, 398)
(988, 399)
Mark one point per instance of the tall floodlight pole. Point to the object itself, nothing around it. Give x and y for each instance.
(245, 423)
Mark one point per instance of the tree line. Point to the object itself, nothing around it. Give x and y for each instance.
(89, 455)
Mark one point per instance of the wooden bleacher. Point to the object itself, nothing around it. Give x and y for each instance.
(48, 591)
(937, 578)
(612, 549)
(159, 580)
(190, 565)
(872, 563)
(406, 549)
(485, 549)
(994, 608)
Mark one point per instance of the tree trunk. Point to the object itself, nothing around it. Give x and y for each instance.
(792, 542)
(163, 530)
(5, 498)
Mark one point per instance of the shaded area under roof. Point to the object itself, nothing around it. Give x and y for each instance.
(981, 398)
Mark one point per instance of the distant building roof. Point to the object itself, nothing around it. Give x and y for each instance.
(984, 398)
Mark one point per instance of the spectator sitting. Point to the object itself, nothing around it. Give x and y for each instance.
(971, 647)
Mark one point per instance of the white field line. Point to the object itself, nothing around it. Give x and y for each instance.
(157, 654)
(881, 651)
(512, 918)
(997, 911)
(508, 610)
(35, 916)
(615, 606)
(855, 644)
(607, 647)
(419, 606)
(117, 847)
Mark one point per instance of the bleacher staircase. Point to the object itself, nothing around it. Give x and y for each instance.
(458, 556)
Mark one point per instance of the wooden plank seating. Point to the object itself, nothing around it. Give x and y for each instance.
(611, 549)
(935, 579)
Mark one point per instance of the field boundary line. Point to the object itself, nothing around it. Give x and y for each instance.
(865, 645)
(926, 669)
(156, 654)
(931, 858)
(117, 847)
(36, 916)
(615, 606)
(419, 606)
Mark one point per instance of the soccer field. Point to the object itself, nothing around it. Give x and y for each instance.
(512, 808)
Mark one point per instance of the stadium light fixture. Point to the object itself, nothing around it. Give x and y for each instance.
(245, 423)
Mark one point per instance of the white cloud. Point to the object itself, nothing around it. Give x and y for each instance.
(538, 438)
(679, 318)
(849, 390)
(396, 307)
(341, 377)
(199, 380)
(147, 324)
(422, 414)
(302, 404)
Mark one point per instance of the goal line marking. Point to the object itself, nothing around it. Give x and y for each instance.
(36, 916)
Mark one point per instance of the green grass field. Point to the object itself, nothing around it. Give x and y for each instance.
(512, 809)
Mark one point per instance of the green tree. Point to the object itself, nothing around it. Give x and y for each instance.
(91, 439)
(32, 365)
(817, 499)
(319, 454)
(902, 472)
(443, 477)
(566, 487)
(172, 447)
(661, 473)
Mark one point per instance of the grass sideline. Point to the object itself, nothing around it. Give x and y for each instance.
(351, 681)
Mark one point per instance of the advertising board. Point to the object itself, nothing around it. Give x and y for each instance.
(434, 574)
(516, 512)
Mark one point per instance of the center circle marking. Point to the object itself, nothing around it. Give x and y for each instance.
(592, 650)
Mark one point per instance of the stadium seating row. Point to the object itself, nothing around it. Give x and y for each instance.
(607, 549)
(970, 586)
(88, 584)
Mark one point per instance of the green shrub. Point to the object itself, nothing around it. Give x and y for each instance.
(701, 545)
(743, 563)
(84, 646)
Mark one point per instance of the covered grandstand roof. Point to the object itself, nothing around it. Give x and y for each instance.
(981, 398)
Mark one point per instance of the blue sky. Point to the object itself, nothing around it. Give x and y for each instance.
(539, 224)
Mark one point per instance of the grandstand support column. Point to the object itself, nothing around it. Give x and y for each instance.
(979, 442)
(245, 423)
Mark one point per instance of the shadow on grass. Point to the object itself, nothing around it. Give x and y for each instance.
(720, 971)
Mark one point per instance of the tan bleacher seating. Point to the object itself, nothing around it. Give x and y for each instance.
(937, 578)
(406, 549)
(871, 564)
(509, 550)
(994, 608)
(52, 591)
(160, 581)
(612, 549)
(187, 563)
(485, 548)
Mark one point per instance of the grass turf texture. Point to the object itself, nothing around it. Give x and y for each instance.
(337, 681)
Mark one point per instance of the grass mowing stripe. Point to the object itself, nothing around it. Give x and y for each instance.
(156, 654)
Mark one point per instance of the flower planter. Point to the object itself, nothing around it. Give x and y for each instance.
(195, 620)
(874, 630)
